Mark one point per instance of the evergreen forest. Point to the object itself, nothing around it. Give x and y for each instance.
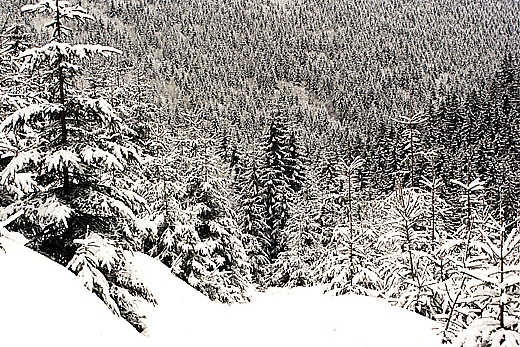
(371, 147)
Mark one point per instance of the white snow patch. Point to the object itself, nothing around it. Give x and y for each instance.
(183, 314)
(279, 317)
(44, 304)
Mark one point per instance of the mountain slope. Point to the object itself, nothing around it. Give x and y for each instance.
(279, 317)
(43, 304)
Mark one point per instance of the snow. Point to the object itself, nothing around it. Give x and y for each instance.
(279, 317)
(42, 303)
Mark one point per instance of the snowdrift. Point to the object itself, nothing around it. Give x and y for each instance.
(279, 317)
(44, 304)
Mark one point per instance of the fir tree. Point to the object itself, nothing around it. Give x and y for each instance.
(277, 192)
(200, 241)
(68, 171)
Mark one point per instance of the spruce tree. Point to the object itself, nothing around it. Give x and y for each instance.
(329, 179)
(252, 220)
(346, 261)
(295, 265)
(411, 138)
(493, 287)
(276, 190)
(405, 266)
(294, 164)
(69, 173)
(463, 249)
(200, 240)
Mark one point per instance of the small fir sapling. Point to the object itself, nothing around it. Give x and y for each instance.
(493, 285)
(405, 262)
(462, 250)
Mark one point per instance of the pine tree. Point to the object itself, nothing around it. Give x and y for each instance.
(69, 171)
(277, 192)
(200, 241)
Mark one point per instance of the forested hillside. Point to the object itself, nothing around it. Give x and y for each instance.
(372, 147)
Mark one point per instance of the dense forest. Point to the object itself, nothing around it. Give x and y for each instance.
(372, 147)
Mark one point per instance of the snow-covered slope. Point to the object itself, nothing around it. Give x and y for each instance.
(183, 314)
(43, 304)
(280, 317)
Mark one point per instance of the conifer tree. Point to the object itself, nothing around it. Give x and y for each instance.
(463, 250)
(405, 264)
(252, 220)
(411, 137)
(294, 164)
(68, 172)
(200, 242)
(14, 93)
(345, 264)
(493, 287)
(277, 190)
(329, 179)
(295, 265)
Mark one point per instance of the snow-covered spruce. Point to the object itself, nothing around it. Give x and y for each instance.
(492, 281)
(252, 220)
(198, 237)
(67, 170)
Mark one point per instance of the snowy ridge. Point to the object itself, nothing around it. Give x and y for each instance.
(43, 304)
(63, 313)
(279, 317)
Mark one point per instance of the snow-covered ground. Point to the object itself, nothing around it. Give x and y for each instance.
(279, 317)
(43, 304)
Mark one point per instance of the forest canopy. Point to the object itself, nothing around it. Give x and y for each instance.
(372, 147)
